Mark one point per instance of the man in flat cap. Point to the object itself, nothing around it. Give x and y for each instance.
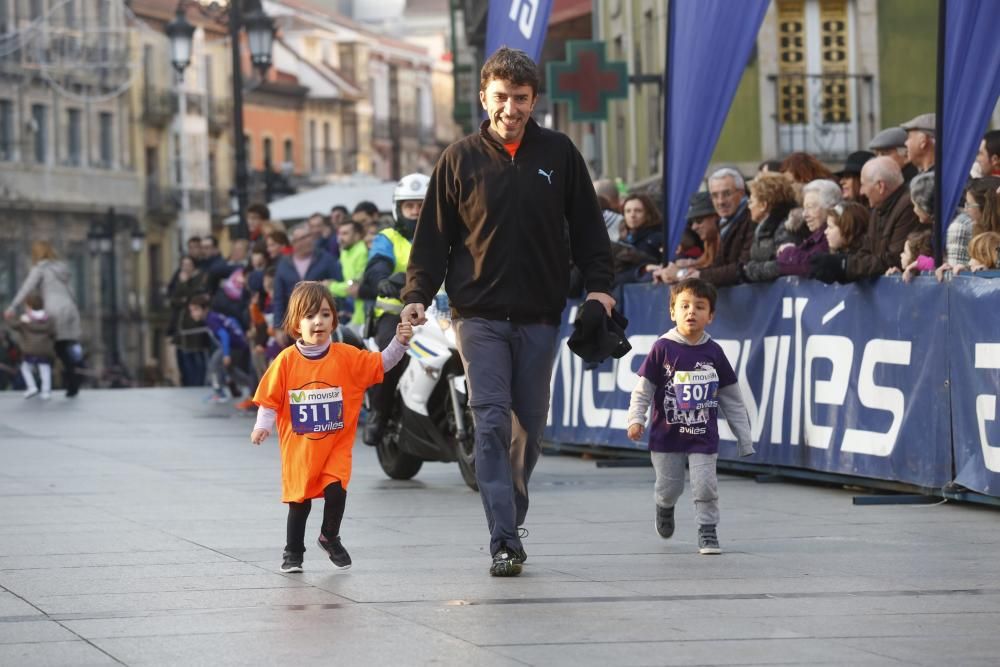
(920, 141)
(891, 142)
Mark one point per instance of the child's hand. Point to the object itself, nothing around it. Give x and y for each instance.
(404, 332)
(635, 431)
(258, 436)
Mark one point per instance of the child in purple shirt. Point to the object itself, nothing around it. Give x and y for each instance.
(687, 378)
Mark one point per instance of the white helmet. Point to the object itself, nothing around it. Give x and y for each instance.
(410, 187)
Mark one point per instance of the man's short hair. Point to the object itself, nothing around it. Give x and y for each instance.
(729, 172)
(698, 287)
(341, 208)
(992, 139)
(356, 226)
(194, 239)
(366, 207)
(259, 209)
(200, 300)
(512, 65)
(884, 169)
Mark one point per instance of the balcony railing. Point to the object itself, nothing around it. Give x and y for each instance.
(221, 202)
(161, 201)
(382, 129)
(158, 106)
(829, 115)
(220, 115)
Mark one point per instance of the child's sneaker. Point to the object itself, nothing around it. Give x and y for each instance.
(246, 405)
(664, 521)
(708, 540)
(506, 562)
(338, 554)
(29, 393)
(291, 561)
(216, 397)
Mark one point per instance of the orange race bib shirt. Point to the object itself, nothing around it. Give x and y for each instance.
(317, 402)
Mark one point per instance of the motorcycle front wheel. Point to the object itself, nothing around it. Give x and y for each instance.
(465, 452)
(396, 463)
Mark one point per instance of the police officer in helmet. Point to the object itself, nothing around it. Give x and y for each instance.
(384, 277)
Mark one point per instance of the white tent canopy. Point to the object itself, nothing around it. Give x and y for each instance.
(300, 206)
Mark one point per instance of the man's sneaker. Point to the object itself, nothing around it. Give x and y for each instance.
(708, 540)
(28, 393)
(520, 555)
(338, 554)
(506, 562)
(291, 562)
(664, 521)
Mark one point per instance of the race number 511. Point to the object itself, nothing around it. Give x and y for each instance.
(524, 13)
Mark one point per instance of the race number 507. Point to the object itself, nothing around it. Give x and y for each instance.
(524, 13)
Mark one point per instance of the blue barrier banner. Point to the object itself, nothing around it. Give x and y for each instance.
(838, 378)
(974, 347)
(519, 24)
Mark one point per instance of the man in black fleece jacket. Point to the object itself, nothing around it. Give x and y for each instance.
(506, 210)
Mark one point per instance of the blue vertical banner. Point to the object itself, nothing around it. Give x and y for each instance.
(519, 24)
(971, 87)
(708, 45)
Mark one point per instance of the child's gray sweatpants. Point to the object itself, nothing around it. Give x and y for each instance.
(669, 468)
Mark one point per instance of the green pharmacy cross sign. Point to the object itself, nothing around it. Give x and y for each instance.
(586, 80)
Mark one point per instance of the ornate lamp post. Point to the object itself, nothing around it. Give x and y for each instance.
(260, 36)
(102, 240)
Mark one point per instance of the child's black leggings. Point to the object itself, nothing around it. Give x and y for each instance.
(334, 500)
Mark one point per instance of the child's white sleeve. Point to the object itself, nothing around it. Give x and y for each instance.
(265, 419)
(642, 396)
(393, 353)
(735, 412)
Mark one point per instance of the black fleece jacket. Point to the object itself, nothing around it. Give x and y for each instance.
(505, 230)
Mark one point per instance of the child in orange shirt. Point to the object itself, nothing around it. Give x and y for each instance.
(313, 392)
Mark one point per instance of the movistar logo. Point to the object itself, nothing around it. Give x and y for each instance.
(296, 397)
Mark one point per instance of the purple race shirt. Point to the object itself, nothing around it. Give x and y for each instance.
(686, 401)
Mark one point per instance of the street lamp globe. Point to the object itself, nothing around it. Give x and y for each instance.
(138, 240)
(94, 237)
(181, 34)
(260, 34)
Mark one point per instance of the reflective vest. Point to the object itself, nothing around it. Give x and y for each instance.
(401, 251)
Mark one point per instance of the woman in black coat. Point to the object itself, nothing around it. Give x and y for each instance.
(772, 198)
(642, 242)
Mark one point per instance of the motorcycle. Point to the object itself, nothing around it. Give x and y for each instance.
(430, 419)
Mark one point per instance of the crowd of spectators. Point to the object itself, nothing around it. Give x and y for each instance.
(796, 217)
(226, 312)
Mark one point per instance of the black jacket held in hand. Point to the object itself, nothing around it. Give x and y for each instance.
(497, 227)
(597, 336)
